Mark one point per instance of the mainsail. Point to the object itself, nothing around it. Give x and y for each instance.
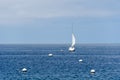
(73, 40)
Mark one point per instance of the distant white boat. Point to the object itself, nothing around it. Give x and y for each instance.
(80, 60)
(92, 71)
(24, 70)
(50, 55)
(72, 47)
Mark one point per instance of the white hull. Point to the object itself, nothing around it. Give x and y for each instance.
(71, 49)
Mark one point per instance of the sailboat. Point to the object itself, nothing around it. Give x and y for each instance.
(72, 47)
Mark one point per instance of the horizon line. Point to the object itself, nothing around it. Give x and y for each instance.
(50, 43)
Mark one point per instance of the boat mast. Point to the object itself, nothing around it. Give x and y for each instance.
(72, 28)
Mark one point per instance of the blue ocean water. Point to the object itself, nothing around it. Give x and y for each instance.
(63, 65)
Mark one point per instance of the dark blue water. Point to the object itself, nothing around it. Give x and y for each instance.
(63, 65)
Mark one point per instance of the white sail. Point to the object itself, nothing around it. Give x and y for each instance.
(73, 40)
(72, 47)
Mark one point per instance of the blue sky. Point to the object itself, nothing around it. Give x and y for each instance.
(50, 21)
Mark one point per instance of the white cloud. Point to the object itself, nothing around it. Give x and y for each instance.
(16, 10)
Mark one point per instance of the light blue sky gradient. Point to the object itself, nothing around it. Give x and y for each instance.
(50, 21)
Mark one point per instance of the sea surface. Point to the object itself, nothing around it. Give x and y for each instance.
(63, 65)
